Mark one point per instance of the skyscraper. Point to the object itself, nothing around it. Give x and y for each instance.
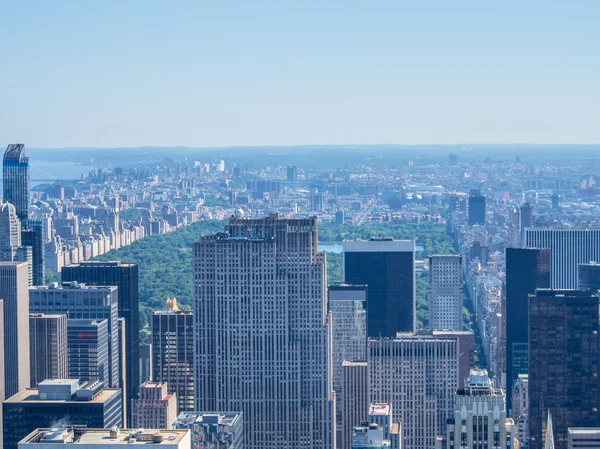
(446, 292)
(568, 249)
(476, 207)
(262, 342)
(173, 354)
(57, 401)
(526, 270)
(417, 374)
(32, 235)
(11, 247)
(15, 172)
(87, 342)
(354, 398)
(14, 292)
(348, 308)
(80, 301)
(387, 267)
(589, 277)
(125, 277)
(525, 219)
(479, 416)
(48, 347)
(563, 363)
(155, 408)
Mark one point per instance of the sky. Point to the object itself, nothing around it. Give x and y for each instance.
(125, 73)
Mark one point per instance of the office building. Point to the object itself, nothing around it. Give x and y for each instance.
(60, 401)
(223, 430)
(146, 363)
(466, 343)
(292, 173)
(122, 329)
(418, 375)
(11, 245)
(155, 408)
(589, 276)
(568, 249)
(15, 177)
(125, 277)
(446, 292)
(348, 309)
(173, 354)
(33, 236)
(14, 292)
(262, 343)
(387, 267)
(583, 438)
(563, 363)
(381, 414)
(48, 351)
(316, 201)
(353, 399)
(105, 438)
(83, 302)
(476, 207)
(520, 409)
(87, 343)
(526, 270)
(525, 219)
(479, 416)
(369, 437)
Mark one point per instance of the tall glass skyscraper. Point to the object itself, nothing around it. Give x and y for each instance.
(15, 172)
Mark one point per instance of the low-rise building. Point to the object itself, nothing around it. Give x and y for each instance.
(155, 408)
(213, 430)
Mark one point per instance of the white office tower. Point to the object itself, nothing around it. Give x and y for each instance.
(418, 375)
(446, 292)
(262, 338)
(520, 409)
(568, 249)
(479, 418)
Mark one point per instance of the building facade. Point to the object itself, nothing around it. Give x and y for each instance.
(387, 267)
(11, 246)
(583, 438)
(213, 430)
(526, 270)
(262, 344)
(479, 417)
(155, 408)
(14, 291)
(520, 409)
(348, 311)
(125, 277)
(476, 207)
(84, 302)
(417, 375)
(446, 292)
(568, 249)
(354, 399)
(563, 363)
(48, 351)
(57, 401)
(87, 343)
(15, 174)
(173, 354)
(589, 277)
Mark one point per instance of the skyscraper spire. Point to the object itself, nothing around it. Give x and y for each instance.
(549, 440)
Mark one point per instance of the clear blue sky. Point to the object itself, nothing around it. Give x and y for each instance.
(218, 73)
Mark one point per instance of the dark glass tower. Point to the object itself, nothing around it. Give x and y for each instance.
(563, 363)
(32, 234)
(173, 354)
(476, 207)
(589, 277)
(125, 277)
(387, 267)
(15, 172)
(526, 270)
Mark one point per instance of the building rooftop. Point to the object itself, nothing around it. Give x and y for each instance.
(85, 392)
(224, 418)
(354, 363)
(584, 431)
(380, 408)
(380, 245)
(72, 285)
(105, 436)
